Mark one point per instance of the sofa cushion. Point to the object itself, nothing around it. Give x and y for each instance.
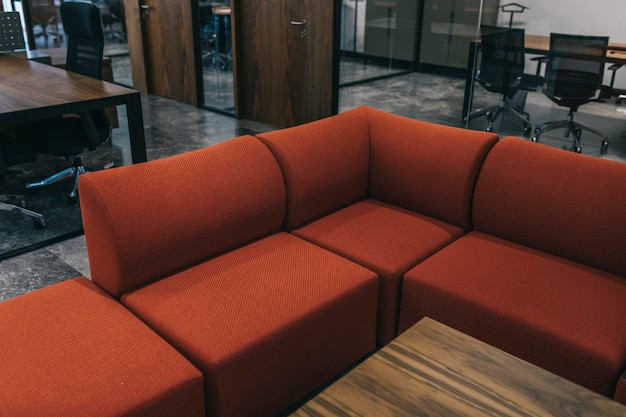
(266, 323)
(325, 164)
(145, 221)
(69, 349)
(385, 239)
(425, 167)
(620, 391)
(556, 201)
(558, 314)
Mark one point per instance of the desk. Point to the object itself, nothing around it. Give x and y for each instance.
(433, 370)
(31, 90)
(533, 44)
(57, 58)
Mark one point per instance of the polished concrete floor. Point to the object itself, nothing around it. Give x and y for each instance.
(172, 128)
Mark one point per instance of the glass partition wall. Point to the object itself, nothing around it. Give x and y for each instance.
(436, 81)
(43, 30)
(417, 58)
(217, 60)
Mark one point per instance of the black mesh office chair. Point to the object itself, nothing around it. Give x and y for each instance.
(574, 73)
(70, 136)
(501, 70)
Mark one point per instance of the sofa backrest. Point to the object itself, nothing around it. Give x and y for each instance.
(325, 164)
(146, 221)
(424, 167)
(563, 203)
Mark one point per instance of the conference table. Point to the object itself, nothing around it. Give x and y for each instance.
(535, 45)
(31, 90)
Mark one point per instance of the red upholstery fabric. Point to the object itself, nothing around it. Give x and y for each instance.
(560, 202)
(145, 221)
(266, 323)
(325, 164)
(558, 314)
(386, 239)
(71, 350)
(425, 167)
(620, 392)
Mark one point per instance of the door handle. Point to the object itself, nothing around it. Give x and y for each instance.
(145, 10)
(302, 24)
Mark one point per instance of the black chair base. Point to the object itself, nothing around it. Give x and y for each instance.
(494, 112)
(572, 128)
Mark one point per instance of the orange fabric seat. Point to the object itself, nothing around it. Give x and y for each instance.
(192, 245)
(382, 190)
(71, 350)
(560, 315)
(542, 275)
(267, 323)
(385, 239)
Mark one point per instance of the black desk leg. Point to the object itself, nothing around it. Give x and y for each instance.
(469, 80)
(135, 129)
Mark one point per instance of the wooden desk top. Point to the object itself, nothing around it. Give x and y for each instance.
(433, 370)
(30, 88)
(539, 44)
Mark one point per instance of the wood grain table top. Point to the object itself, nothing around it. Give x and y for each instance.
(27, 86)
(31, 91)
(433, 370)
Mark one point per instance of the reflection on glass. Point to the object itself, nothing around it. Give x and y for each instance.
(378, 38)
(44, 31)
(217, 65)
(115, 39)
(439, 80)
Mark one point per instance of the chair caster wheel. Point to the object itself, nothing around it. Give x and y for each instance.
(489, 129)
(527, 129)
(39, 224)
(534, 139)
(577, 149)
(605, 146)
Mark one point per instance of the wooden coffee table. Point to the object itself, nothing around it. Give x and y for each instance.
(433, 370)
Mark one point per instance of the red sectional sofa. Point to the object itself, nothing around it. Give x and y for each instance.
(238, 279)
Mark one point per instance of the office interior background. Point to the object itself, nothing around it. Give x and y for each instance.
(406, 56)
(409, 57)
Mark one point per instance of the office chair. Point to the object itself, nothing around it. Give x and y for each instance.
(11, 34)
(44, 14)
(216, 36)
(574, 72)
(12, 152)
(70, 136)
(501, 70)
(113, 14)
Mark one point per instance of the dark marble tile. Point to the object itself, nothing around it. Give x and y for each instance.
(73, 253)
(31, 271)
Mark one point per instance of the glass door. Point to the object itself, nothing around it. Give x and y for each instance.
(217, 61)
(378, 38)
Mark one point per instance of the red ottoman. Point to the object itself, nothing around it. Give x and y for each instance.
(71, 350)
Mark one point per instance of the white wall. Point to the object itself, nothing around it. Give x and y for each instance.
(349, 7)
(581, 17)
